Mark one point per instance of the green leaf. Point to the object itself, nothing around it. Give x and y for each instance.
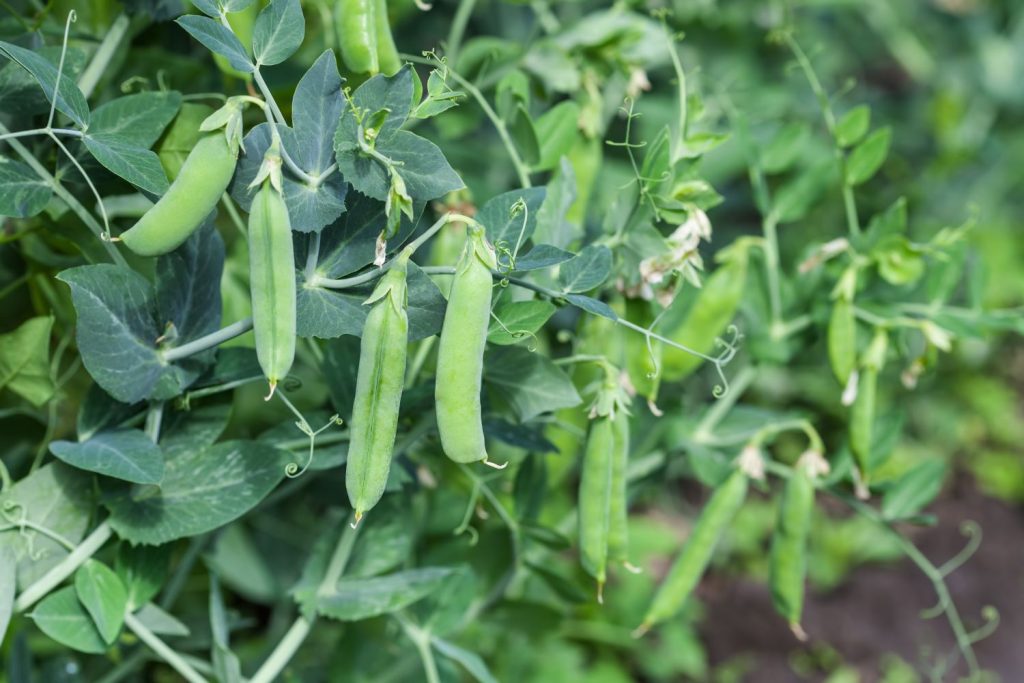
(62, 617)
(867, 157)
(524, 136)
(557, 130)
(785, 148)
(796, 197)
(142, 570)
(160, 622)
(25, 360)
(126, 454)
(591, 305)
(914, 490)
(529, 382)
(56, 498)
(202, 490)
(471, 661)
(225, 663)
(899, 261)
(70, 100)
(278, 32)
(134, 163)
(104, 597)
(515, 321)
(853, 125)
(240, 566)
(541, 257)
(137, 119)
(587, 270)
(22, 193)
(553, 224)
(8, 569)
(217, 39)
(511, 218)
(357, 599)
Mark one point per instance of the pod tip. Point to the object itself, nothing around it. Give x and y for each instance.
(798, 631)
(495, 465)
(641, 630)
(273, 388)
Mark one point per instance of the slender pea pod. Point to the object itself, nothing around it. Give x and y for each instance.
(691, 563)
(272, 283)
(842, 340)
(357, 35)
(788, 563)
(618, 511)
(862, 413)
(595, 499)
(189, 200)
(382, 358)
(460, 354)
(706, 320)
(387, 54)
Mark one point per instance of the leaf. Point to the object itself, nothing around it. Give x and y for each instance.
(70, 100)
(899, 261)
(529, 382)
(316, 108)
(553, 224)
(785, 148)
(278, 32)
(137, 119)
(471, 661)
(239, 564)
(541, 257)
(61, 616)
(557, 130)
(202, 490)
(914, 490)
(391, 93)
(54, 497)
(22, 193)
(591, 305)
(867, 157)
(160, 622)
(853, 125)
(217, 39)
(515, 321)
(104, 597)
(796, 197)
(587, 270)
(138, 165)
(99, 411)
(511, 218)
(126, 454)
(357, 599)
(422, 165)
(142, 570)
(524, 136)
(8, 569)
(25, 360)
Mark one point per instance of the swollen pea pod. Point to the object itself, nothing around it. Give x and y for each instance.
(272, 283)
(602, 494)
(189, 200)
(862, 413)
(382, 357)
(788, 564)
(365, 37)
(842, 340)
(460, 354)
(688, 568)
(707, 319)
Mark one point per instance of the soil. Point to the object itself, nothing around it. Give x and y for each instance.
(877, 609)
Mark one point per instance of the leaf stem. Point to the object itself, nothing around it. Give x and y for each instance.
(104, 53)
(161, 648)
(65, 568)
(235, 329)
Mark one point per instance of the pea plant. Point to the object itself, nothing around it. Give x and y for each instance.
(223, 304)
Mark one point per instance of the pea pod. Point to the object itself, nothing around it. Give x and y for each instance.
(387, 54)
(691, 563)
(618, 511)
(272, 283)
(788, 563)
(862, 413)
(842, 340)
(707, 319)
(460, 354)
(378, 395)
(595, 499)
(189, 200)
(365, 37)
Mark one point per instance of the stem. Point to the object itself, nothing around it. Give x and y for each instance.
(295, 636)
(160, 647)
(718, 410)
(458, 29)
(421, 639)
(72, 17)
(771, 262)
(104, 53)
(521, 168)
(64, 569)
(70, 132)
(181, 572)
(65, 196)
(235, 329)
(312, 255)
(265, 91)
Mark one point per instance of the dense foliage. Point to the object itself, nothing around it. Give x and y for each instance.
(346, 341)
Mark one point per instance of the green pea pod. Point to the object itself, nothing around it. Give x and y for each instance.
(357, 35)
(842, 340)
(688, 568)
(618, 512)
(189, 200)
(706, 320)
(272, 283)
(378, 394)
(460, 354)
(862, 421)
(788, 567)
(595, 498)
(387, 54)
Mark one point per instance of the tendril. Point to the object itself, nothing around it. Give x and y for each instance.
(972, 530)
(991, 616)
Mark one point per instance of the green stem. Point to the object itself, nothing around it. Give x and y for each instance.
(719, 409)
(160, 647)
(458, 29)
(421, 639)
(104, 53)
(235, 329)
(65, 568)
